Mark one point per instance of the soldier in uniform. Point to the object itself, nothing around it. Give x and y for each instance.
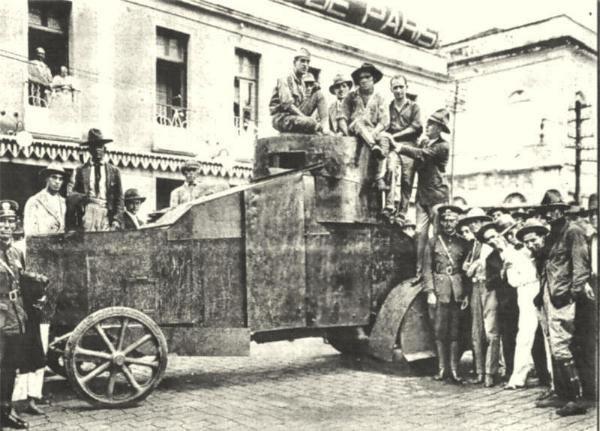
(292, 107)
(446, 291)
(14, 353)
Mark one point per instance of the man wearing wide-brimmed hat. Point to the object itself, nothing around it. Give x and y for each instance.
(291, 106)
(431, 158)
(365, 115)
(17, 348)
(339, 88)
(133, 201)
(98, 182)
(446, 290)
(485, 334)
(566, 272)
(45, 211)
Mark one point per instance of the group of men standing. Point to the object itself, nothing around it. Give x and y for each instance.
(519, 279)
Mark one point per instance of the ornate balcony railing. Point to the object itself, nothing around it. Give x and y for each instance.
(172, 116)
(46, 96)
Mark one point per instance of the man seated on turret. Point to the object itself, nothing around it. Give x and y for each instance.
(365, 115)
(292, 106)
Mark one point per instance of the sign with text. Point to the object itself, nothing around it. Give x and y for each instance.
(379, 18)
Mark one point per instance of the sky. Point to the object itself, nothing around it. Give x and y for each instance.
(457, 19)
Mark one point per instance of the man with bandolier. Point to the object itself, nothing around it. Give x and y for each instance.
(446, 290)
(13, 317)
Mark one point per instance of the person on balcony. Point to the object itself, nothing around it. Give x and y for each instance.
(291, 107)
(39, 72)
(97, 184)
(365, 115)
(405, 127)
(133, 202)
(340, 88)
(63, 81)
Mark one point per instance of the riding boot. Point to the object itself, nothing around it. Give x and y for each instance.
(454, 361)
(442, 360)
(9, 419)
(575, 405)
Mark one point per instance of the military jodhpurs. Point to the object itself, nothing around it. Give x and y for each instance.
(285, 122)
(447, 321)
(484, 329)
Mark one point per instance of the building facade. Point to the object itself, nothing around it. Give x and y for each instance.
(513, 122)
(171, 80)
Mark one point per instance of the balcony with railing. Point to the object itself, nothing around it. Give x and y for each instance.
(174, 128)
(52, 110)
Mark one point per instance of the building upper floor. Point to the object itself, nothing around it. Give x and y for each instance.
(180, 76)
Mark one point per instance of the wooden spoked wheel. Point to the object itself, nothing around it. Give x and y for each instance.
(125, 367)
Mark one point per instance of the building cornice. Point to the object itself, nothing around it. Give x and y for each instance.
(550, 167)
(67, 152)
(302, 36)
(524, 49)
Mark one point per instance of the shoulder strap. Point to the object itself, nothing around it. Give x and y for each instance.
(446, 250)
(8, 269)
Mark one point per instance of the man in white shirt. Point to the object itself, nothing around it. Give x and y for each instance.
(191, 188)
(45, 211)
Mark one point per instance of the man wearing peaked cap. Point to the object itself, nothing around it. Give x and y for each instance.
(431, 157)
(340, 88)
(291, 107)
(446, 293)
(98, 183)
(133, 201)
(192, 188)
(16, 338)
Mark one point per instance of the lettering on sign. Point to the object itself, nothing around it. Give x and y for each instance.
(379, 18)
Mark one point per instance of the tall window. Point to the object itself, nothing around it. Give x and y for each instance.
(171, 78)
(245, 104)
(48, 33)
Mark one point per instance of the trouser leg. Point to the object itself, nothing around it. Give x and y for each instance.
(455, 351)
(528, 324)
(538, 353)
(441, 332)
(392, 173)
(477, 331)
(490, 325)
(407, 180)
(7, 385)
(585, 348)
(422, 235)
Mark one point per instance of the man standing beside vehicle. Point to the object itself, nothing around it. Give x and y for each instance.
(446, 290)
(13, 317)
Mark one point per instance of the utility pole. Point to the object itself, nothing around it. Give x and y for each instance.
(580, 105)
(455, 104)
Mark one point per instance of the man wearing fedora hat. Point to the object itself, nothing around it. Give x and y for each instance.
(484, 320)
(431, 158)
(98, 182)
(292, 107)
(340, 88)
(365, 115)
(405, 127)
(566, 274)
(16, 347)
(45, 211)
(133, 201)
(446, 290)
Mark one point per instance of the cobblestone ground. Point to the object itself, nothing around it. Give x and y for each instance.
(306, 385)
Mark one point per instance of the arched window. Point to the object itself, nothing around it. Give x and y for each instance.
(515, 198)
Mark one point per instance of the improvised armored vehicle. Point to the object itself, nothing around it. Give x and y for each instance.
(299, 252)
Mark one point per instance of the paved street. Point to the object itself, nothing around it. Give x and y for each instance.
(306, 385)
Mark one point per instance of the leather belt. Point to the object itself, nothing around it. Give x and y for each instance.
(13, 295)
(448, 270)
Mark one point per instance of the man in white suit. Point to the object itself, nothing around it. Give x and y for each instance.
(44, 213)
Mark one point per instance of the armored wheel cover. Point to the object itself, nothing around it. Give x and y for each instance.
(123, 369)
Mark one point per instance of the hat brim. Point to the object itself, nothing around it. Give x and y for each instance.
(376, 73)
(466, 220)
(443, 125)
(528, 229)
(96, 142)
(483, 229)
(47, 172)
(453, 208)
(332, 86)
(135, 198)
(548, 207)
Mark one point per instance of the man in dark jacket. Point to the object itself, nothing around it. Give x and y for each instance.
(446, 289)
(15, 344)
(431, 158)
(99, 184)
(133, 201)
(566, 275)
